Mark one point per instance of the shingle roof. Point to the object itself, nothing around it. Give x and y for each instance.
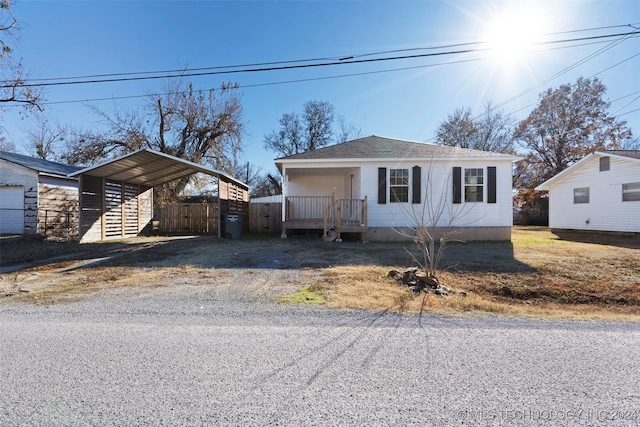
(39, 165)
(634, 154)
(377, 147)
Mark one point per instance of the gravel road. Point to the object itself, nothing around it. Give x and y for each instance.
(198, 359)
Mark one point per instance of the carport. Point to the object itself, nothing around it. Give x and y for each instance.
(116, 197)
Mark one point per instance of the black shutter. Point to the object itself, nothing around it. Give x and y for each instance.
(457, 184)
(382, 186)
(416, 185)
(491, 184)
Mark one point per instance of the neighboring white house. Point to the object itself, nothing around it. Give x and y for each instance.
(600, 192)
(371, 185)
(37, 196)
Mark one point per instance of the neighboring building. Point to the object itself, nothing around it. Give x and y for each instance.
(111, 200)
(600, 192)
(37, 196)
(372, 185)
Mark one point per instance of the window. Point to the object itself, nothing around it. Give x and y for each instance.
(399, 185)
(581, 195)
(604, 164)
(473, 185)
(631, 192)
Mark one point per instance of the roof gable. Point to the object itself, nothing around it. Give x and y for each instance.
(377, 147)
(39, 165)
(630, 155)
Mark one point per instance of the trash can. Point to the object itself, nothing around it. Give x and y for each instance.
(232, 225)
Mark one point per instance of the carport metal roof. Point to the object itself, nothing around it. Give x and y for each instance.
(152, 168)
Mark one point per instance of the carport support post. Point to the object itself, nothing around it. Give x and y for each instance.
(219, 211)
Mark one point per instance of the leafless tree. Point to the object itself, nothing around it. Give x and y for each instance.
(46, 139)
(492, 130)
(13, 88)
(435, 222)
(347, 131)
(299, 134)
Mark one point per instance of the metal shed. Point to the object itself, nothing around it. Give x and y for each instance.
(116, 197)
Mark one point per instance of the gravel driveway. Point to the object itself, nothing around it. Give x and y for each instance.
(200, 358)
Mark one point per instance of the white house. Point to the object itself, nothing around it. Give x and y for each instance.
(37, 196)
(600, 192)
(372, 185)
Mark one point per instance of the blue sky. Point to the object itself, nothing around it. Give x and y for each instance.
(76, 38)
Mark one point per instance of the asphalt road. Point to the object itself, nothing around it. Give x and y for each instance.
(197, 360)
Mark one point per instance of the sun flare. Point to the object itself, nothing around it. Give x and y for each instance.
(512, 33)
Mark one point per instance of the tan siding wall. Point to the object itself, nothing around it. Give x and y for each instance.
(57, 207)
(91, 209)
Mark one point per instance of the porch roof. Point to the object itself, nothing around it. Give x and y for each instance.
(377, 147)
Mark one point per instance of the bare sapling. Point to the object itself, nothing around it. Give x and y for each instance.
(431, 225)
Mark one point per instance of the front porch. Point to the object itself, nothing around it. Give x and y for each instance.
(332, 215)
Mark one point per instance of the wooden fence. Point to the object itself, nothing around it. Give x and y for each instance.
(188, 218)
(265, 217)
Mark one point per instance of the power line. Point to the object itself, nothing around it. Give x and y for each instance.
(298, 66)
(322, 78)
(341, 57)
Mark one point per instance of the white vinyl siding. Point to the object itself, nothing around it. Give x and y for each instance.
(605, 211)
(477, 214)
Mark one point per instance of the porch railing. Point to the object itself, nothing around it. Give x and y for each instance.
(309, 208)
(326, 211)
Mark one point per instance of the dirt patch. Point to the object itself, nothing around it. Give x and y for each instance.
(538, 273)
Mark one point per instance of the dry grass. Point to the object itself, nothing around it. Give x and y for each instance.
(538, 274)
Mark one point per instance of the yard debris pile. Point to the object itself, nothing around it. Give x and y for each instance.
(419, 282)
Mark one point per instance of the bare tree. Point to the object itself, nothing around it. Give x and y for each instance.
(6, 145)
(492, 130)
(46, 139)
(202, 126)
(631, 144)
(433, 223)
(13, 88)
(299, 134)
(347, 131)
(458, 130)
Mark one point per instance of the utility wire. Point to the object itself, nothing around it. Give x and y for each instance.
(298, 66)
(320, 78)
(341, 57)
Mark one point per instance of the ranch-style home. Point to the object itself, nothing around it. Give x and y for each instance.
(37, 196)
(374, 185)
(601, 192)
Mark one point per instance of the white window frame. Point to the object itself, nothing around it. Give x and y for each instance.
(398, 180)
(474, 185)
